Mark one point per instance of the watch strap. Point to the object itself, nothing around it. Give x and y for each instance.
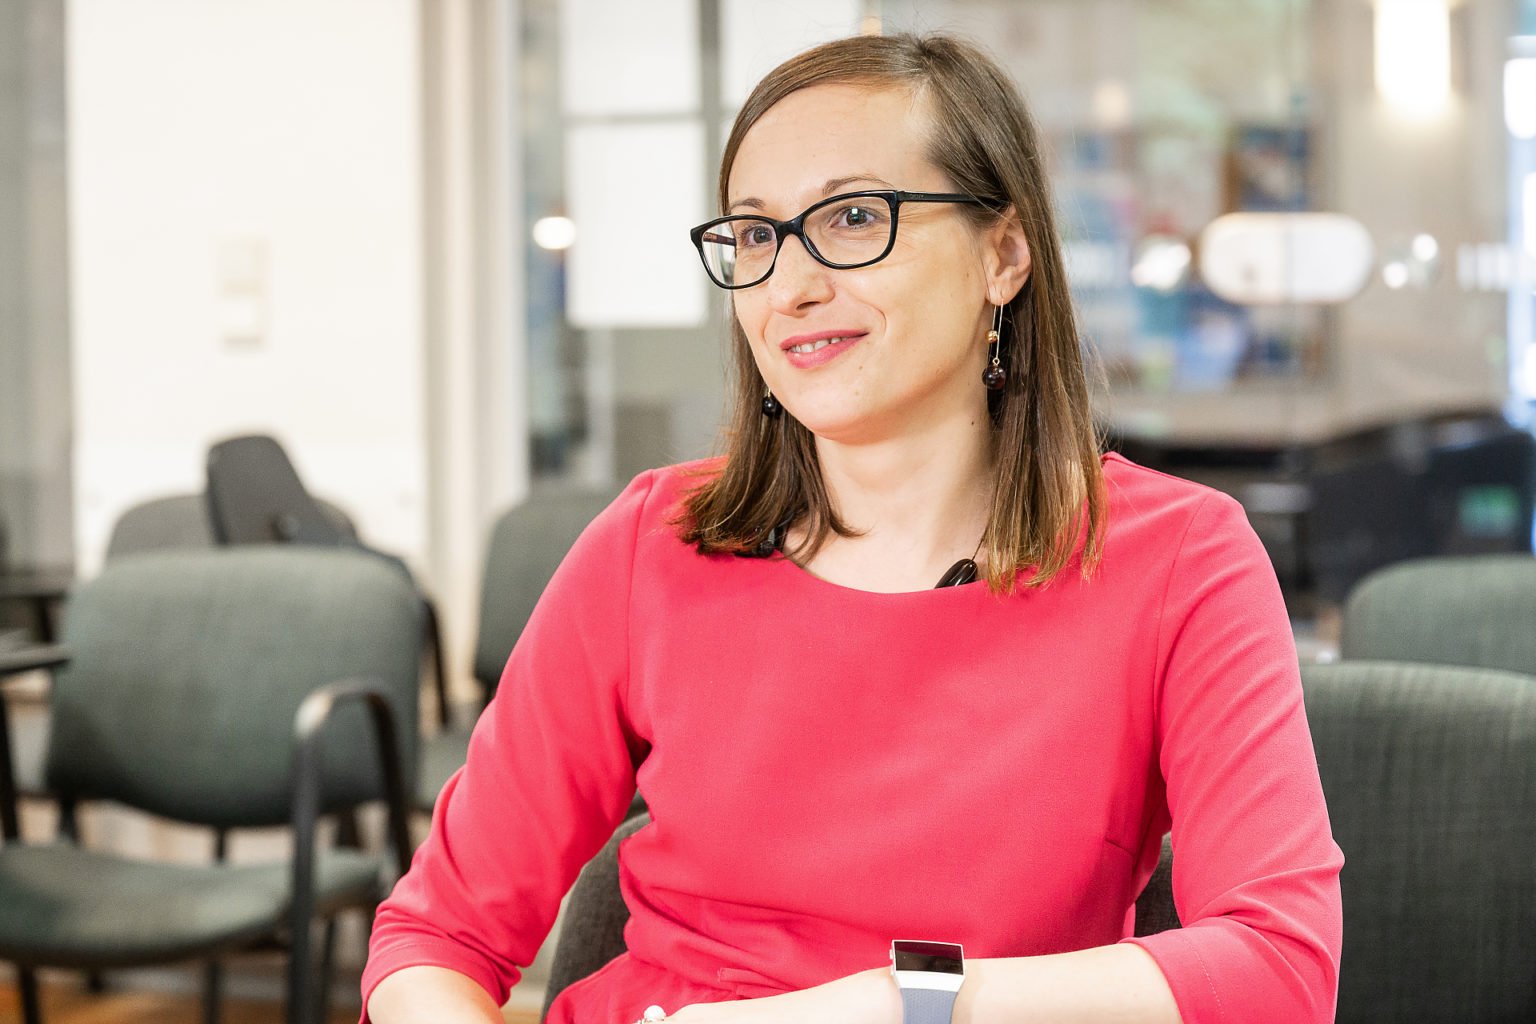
(927, 1005)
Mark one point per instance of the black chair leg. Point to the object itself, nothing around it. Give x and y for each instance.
(302, 997)
(31, 1002)
(213, 970)
(213, 991)
(69, 829)
(327, 958)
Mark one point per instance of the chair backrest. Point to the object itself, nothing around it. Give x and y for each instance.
(1430, 776)
(255, 496)
(1155, 911)
(181, 521)
(527, 545)
(187, 668)
(592, 930)
(174, 521)
(1478, 610)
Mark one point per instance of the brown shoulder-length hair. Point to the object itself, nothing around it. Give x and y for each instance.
(1049, 484)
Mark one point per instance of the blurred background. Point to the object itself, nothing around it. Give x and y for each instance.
(385, 233)
(438, 249)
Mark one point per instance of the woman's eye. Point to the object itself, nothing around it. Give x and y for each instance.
(854, 216)
(754, 235)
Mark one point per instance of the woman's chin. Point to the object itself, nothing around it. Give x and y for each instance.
(838, 426)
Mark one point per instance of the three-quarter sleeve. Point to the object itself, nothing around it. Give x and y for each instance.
(550, 773)
(1256, 870)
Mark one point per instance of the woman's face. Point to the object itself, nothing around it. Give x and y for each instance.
(913, 326)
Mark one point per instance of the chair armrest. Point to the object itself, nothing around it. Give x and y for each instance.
(309, 721)
(31, 658)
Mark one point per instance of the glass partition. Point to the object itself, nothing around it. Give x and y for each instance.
(1193, 144)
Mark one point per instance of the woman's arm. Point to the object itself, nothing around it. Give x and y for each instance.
(550, 774)
(1092, 986)
(414, 994)
(1107, 985)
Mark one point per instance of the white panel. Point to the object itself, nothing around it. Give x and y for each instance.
(1520, 97)
(1264, 258)
(624, 57)
(758, 36)
(635, 190)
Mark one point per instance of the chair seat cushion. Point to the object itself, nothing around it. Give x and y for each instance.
(68, 907)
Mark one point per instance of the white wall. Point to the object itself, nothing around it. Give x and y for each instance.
(286, 130)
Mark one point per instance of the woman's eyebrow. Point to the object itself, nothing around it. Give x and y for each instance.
(831, 187)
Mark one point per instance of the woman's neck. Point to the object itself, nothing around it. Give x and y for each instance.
(918, 504)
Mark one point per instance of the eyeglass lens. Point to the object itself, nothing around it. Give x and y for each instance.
(846, 232)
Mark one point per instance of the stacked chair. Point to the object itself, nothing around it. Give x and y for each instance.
(181, 521)
(1476, 610)
(255, 496)
(1430, 775)
(1426, 741)
(226, 688)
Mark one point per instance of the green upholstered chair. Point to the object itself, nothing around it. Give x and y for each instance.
(1430, 776)
(592, 927)
(527, 544)
(201, 688)
(1474, 610)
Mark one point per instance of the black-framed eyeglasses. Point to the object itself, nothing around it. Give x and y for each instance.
(847, 231)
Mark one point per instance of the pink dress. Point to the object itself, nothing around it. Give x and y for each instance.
(829, 769)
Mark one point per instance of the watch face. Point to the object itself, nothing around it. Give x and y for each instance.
(937, 957)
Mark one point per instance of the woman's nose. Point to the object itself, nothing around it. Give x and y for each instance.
(798, 279)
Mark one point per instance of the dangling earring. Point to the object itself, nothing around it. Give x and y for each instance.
(994, 376)
(771, 406)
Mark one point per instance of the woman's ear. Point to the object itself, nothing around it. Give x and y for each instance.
(1006, 258)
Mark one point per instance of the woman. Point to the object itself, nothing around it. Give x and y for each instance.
(836, 753)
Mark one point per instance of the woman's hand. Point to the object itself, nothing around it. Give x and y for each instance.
(869, 997)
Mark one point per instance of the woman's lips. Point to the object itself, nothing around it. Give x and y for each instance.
(807, 351)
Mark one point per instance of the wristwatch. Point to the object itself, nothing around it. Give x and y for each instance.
(929, 976)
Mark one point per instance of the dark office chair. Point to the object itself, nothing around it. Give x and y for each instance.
(592, 930)
(1476, 610)
(1430, 776)
(201, 688)
(527, 544)
(255, 496)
